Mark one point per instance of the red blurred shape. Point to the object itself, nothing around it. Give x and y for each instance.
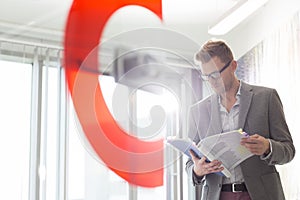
(138, 162)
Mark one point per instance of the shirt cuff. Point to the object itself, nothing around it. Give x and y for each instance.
(265, 157)
(197, 179)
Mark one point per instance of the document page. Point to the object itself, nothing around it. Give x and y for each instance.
(226, 148)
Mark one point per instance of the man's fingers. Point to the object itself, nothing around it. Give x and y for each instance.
(249, 140)
(193, 155)
(196, 159)
(214, 167)
(202, 160)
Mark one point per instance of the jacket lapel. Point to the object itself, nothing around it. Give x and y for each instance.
(245, 102)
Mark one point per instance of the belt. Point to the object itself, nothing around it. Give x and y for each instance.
(234, 187)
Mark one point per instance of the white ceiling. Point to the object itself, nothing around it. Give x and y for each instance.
(52, 13)
(44, 20)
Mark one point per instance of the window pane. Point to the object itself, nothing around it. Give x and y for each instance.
(49, 133)
(15, 86)
(88, 178)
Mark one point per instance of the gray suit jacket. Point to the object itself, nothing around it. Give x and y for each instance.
(261, 113)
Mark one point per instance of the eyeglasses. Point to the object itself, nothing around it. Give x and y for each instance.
(216, 74)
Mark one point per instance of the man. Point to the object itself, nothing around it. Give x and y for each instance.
(236, 104)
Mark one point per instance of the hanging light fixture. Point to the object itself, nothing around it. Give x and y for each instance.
(235, 15)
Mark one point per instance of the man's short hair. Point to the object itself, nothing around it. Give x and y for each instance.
(213, 48)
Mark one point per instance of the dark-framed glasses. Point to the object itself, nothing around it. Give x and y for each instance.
(216, 74)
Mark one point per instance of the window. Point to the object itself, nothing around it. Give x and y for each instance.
(89, 178)
(42, 150)
(15, 101)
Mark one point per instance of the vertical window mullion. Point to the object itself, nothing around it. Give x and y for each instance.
(44, 134)
(62, 121)
(35, 126)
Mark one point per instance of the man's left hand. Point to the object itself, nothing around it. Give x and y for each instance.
(256, 144)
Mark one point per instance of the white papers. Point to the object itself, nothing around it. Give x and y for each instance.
(224, 147)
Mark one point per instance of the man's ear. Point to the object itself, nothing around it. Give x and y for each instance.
(234, 65)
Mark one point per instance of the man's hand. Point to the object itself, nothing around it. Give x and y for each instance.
(201, 167)
(256, 144)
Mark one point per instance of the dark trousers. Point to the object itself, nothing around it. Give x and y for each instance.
(235, 196)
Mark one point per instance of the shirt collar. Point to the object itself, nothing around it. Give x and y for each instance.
(239, 90)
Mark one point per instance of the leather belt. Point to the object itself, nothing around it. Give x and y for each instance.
(234, 187)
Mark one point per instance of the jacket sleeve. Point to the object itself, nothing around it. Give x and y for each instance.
(283, 150)
(193, 135)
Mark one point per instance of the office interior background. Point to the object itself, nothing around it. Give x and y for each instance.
(43, 152)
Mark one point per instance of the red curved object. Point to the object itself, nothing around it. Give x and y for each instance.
(138, 162)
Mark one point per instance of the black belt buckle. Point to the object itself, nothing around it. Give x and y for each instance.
(233, 187)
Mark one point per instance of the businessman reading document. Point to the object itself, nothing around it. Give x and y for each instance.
(236, 104)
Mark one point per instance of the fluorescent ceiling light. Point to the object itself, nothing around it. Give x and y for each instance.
(235, 15)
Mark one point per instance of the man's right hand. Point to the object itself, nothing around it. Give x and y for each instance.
(202, 167)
